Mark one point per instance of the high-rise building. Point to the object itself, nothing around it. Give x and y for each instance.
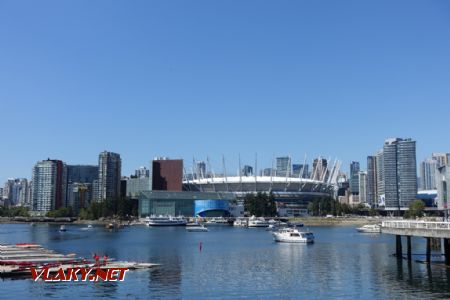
(372, 184)
(441, 158)
(283, 166)
(82, 173)
(200, 169)
(142, 172)
(300, 168)
(109, 175)
(79, 195)
(167, 174)
(443, 186)
(320, 169)
(247, 170)
(354, 177)
(380, 199)
(362, 185)
(400, 173)
(428, 169)
(267, 172)
(49, 185)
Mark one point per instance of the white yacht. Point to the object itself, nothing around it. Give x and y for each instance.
(196, 228)
(257, 222)
(62, 228)
(374, 228)
(165, 221)
(292, 235)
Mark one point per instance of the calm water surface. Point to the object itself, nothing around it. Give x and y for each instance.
(234, 263)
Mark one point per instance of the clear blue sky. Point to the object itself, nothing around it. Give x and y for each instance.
(198, 78)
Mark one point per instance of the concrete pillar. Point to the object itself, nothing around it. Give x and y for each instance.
(408, 242)
(398, 246)
(428, 254)
(447, 251)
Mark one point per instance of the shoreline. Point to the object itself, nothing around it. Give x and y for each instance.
(307, 221)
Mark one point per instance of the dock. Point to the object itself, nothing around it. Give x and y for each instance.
(17, 261)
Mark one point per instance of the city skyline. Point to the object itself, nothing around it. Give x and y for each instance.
(211, 79)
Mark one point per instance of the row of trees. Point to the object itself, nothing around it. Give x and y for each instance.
(15, 211)
(122, 207)
(329, 206)
(260, 205)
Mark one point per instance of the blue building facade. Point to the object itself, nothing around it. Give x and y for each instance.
(211, 208)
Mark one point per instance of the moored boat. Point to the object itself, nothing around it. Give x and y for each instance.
(372, 228)
(292, 235)
(257, 222)
(165, 221)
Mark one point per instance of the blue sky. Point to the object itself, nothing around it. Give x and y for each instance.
(197, 78)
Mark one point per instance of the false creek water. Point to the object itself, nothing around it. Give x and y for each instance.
(234, 263)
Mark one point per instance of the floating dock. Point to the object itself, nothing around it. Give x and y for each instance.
(17, 260)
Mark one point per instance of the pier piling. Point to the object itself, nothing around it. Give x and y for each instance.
(447, 251)
(398, 246)
(428, 254)
(408, 243)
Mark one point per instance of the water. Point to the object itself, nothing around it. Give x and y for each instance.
(234, 263)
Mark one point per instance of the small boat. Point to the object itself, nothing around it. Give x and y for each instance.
(197, 228)
(373, 228)
(217, 221)
(292, 235)
(62, 228)
(257, 222)
(165, 221)
(240, 222)
(89, 227)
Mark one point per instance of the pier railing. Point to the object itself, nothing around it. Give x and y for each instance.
(400, 224)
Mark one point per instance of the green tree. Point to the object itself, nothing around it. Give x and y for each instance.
(416, 209)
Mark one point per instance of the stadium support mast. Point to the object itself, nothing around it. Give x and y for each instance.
(256, 171)
(224, 171)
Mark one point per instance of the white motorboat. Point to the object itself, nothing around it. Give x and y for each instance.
(165, 221)
(217, 221)
(240, 222)
(292, 235)
(62, 228)
(197, 228)
(373, 228)
(257, 222)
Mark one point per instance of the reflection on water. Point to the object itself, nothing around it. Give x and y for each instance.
(234, 263)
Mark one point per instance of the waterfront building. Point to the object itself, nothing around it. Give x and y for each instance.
(188, 204)
(400, 173)
(167, 174)
(354, 177)
(136, 185)
(428, 169)
(109, 175)
(283, 166)
(371, 191)
(49, 185)
(15, 192)
(362, 185)
(291, 194)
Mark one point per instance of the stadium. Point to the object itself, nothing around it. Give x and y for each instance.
(292, 193)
